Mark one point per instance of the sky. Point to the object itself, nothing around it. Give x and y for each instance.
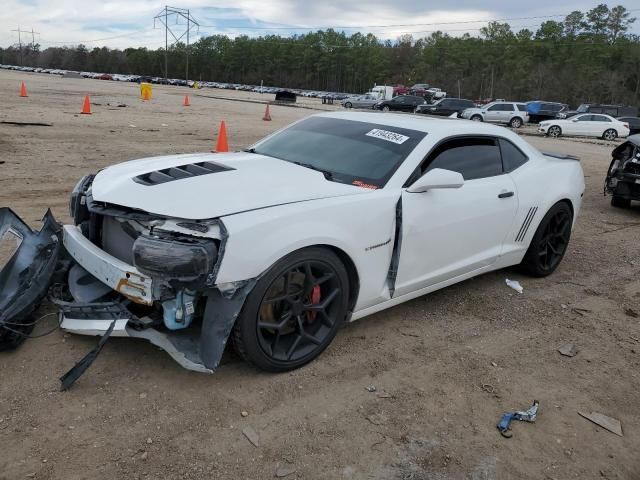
(130, 23)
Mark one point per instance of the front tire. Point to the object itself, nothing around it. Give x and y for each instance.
(294, 311)
(385, 108)
(348, 105)
(476, 118)
(549, 243)
(515, 122)
(554, 131)
(620, 202)
(610, 134)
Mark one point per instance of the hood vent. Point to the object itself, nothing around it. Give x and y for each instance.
(178, 173)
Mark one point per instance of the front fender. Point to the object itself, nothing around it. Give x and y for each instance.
(362, 226)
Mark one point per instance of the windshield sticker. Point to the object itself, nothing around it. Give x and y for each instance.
(392, 137)
(359, 183)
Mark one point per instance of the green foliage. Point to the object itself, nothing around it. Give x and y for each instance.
(588, 57)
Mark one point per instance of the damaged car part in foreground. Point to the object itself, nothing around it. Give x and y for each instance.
(623, 176)
(29, 259)
(332, 219)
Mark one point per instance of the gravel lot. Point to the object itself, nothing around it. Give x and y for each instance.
(137, 414)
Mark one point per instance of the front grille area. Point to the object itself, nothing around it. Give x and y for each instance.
(181, 172)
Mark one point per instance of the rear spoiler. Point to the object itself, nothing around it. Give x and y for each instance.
(561, 156)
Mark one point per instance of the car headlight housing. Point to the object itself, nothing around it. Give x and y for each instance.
(78, 200)
(180, 258)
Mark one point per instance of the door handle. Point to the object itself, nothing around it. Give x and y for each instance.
(505, 195)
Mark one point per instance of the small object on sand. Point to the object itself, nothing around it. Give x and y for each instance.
(631, 312)
(515, 285)
(568, 350)
(371, 388)
(608, 423)
(251, 435)
(526, 416)
(285, 470)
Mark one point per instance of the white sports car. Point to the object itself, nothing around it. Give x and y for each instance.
(586, 125)
(331, 219)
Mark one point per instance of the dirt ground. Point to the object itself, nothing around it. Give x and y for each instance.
(445, 366)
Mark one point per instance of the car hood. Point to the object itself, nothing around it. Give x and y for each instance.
(239, 182)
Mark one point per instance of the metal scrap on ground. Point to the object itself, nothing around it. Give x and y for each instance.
(608, 423)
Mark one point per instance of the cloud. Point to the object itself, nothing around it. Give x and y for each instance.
(123, 23)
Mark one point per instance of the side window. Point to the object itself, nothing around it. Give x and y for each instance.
(599, 118)
(521, 107)
(494, 108)
(584, 118)
(512, 157)
(472, 157)
(595, 109)
(611, 111)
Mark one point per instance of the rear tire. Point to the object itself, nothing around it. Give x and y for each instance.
(348, 105)
(620, 202)
(610, 134)
(515, 122)
(294, 311)
(549, 243)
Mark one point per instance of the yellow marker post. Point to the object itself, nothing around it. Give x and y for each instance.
(146, 91)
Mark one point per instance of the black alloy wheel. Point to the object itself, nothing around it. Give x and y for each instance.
(549, 243)
(294, 311)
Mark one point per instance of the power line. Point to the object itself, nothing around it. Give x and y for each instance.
(176, 13)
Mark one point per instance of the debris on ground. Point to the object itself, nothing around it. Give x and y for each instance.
(631, 312)
(251, 435)
(26, 124)
(371, 388)
(526, 416)
(244, 413)
(384, 395)
(608, 423)
(515, 285)
(568, 350)
(285, 470)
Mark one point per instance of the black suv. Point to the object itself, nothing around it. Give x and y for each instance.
(446, 107)
(401, 103)
(540, 110)
(612, 110)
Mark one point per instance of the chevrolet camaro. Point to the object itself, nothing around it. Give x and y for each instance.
(329, 220)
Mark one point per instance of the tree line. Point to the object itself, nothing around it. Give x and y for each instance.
(587, 57)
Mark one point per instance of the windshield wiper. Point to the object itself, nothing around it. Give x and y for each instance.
(327, 174)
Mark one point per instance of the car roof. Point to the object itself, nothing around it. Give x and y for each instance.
(444, 127)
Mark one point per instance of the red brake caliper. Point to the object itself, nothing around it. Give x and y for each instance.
(315, 299)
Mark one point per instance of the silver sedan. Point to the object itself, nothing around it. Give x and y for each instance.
(360, 101)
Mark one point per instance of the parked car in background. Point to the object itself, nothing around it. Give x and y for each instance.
(539, 110)
(623, 176)
(419, 89)
(401, 103)
(360, 101)
(634, 124)
(105, 76)
(613, 110)
(446, 107)
(432, 94)
(400, 90)
(586, 125)
(513, 114)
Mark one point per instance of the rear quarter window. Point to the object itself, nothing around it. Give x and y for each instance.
(512, 156)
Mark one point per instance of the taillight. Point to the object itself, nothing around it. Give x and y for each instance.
(626, 125)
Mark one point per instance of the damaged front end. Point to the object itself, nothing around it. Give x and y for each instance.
(28, 262)
(623, 176)
(136, 274)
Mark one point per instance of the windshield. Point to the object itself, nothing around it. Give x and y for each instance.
(358, 153)
(583, 108)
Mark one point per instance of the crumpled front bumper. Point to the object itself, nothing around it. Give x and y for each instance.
(26, 275)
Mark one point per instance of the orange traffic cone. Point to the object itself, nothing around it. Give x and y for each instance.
(267, 115)
(186, 102)
(23, 90)
(222, 145)
(86, 106)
